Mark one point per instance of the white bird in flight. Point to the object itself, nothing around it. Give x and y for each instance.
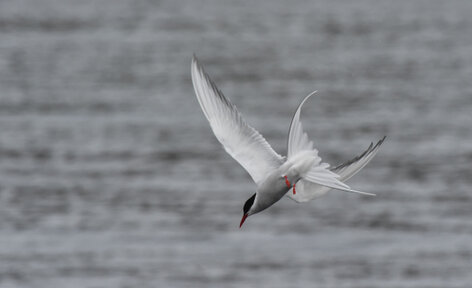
(301, 171)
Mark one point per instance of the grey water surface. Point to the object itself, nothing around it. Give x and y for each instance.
(111, 177)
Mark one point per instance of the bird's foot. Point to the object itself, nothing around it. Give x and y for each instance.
(294, 191)
(287, 182)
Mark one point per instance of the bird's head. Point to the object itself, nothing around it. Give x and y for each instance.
(247, 209)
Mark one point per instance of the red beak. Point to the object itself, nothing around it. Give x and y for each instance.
(242, 220)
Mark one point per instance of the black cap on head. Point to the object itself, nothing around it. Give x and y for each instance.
(249, 203)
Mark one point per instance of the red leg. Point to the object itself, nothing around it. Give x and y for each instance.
(294, 191)
(287, 182)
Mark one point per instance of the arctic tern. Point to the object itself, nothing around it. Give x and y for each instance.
(301, 171)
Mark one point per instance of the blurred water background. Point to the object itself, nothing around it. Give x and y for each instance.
(111, 177)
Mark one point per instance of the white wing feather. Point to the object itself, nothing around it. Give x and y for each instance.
(319, 175)
(307, 191)
(351, 167)
(297, 139)
(241, 141)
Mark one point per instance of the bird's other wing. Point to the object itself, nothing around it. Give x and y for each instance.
(351, 167)
(320, 178)
(319, 173)
(241, 141)
(298, 139)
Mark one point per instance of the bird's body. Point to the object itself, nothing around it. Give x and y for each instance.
(301, 172)
(274, 187)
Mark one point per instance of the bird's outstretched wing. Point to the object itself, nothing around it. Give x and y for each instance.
(319, 173)
(241, 141)
(297, 138)
(351, 167)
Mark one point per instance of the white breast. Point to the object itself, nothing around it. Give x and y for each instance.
(274, 187)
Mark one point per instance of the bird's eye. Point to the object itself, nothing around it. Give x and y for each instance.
(249, 203)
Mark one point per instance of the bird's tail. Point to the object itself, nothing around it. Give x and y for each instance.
(319, 173)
